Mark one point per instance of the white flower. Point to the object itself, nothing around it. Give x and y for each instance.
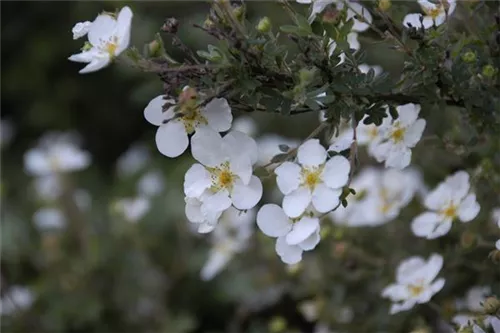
(229, 238)
(133, 160)
(224, 178)
(495, 324)
(48, 188)
(269, 146)
(49, 218)
(449, 201)
(6, 132)
(365, 68)
(472, 303)
(151, 184)
(435, 14)
(354, 11)
(132, 209)
(51, 157)
(380, 196)
(317, 7)
(401, 135)
(341, 142)
(172, 134)
(108, 38)
(81, 29)
(16, 298)
(245, 124)
(312, 180)
(293, 235)
(415, 282)
(372, 135)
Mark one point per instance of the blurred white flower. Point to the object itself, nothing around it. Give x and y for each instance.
(173, 129)
(372, 135)
(312, 180)
(245, 124)
(435, 14)
(224, 177)
(132, 209)
(49, 218)
(293, 235)
(415, 282)
(151, 184)
(361, 16)
(341, 142)
(6, 132)
(471, 305)
(53, 156)
(269, 146)
(449, 201)
(380, 196)
(48, 188)
(317, 6)
(399, 137)
(108, 38)
(81, 29)
(16, 298)
(495, 324)
(229, 238)
(133, 160)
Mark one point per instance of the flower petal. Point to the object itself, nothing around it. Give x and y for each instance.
(288, 179)
(336, 172)
(196, 181)
(171, 138)
(153, 112)
(412, 20)
(408, 114)
(302, 229)
(95, 65)
(123, 26)
(289, 254)
(272, 221)
(214, 204)
(414, 133)
(218, 114)
(459, 184)
(324, 199)
(246, 196)
(101, 29)
(193, 210)
(240, 144)
(311, 153)
(396, 292)
(469, 208)
(216, 262)
(399, 157)
(310, 242)
(295, 203)
(425, 224)
(208, 147)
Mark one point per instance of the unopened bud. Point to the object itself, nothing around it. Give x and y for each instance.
(491, 305)
(306, 76)
(467, 239)
(187, 95)
(171, 25)
(384, 5)
(489, 71)
(87, 46)
(239, 12)
(154, 48)
(469, 56)
(208, 24)
(264, 25)
(495, 256)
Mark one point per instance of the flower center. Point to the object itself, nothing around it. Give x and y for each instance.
(434, 12)
(415, 289)
(373, 132)
(311, 177)
(111, 48)
(222, 177)
(397, 134)
(449, 212)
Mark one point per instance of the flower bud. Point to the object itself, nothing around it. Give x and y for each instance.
(331, 16)
(87, 46)
(491, 305)
(154, 48)
(264, 25)
(495, 256)
(306, 76)
(469, 56)
(489, 71)
(239, 12)
(171, 25)
(384, 5)
(468, 239)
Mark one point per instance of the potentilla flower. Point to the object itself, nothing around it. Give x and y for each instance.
(435, 14)
(449, 201)
(361, 16)
(372, 135)
(108, 37)
(175, 125)
(401, 135)
(317, 7)
(294, 235)
(312, 180)
(470, 306)
(223, 178)
(81, 29)
(415, 283)
(380, 196)
(55, 156)
(230, 237)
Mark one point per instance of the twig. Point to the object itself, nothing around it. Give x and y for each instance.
(354, 149)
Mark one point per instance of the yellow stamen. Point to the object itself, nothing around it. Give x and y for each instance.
(415, 290)
(311, 177)
(450, 211)
(222, 177)
(397, 135)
